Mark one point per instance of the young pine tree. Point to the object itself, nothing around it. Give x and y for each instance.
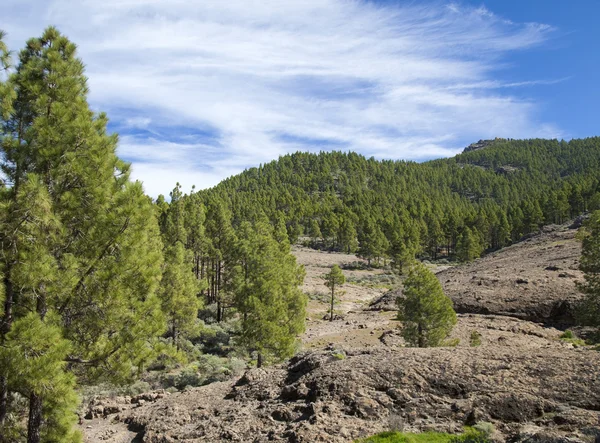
(426, 313)
(333, 280)
(267, 295)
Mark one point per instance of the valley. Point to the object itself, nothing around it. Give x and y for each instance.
(353, 377)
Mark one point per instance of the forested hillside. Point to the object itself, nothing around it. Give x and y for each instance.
(479, 200)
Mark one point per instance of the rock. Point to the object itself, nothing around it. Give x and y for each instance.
(282, 415)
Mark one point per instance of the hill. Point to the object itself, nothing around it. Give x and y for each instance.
(480, 200)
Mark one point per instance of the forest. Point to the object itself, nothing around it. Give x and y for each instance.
(101, 283)
(458, 208)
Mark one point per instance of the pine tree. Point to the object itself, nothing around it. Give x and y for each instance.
(268, 298)
(197, 243)
(468, 247)
(179, 293)
(372, 241)
(36, 350)
(426, 313)
(333, 280)
(87, 259)
(314, 232)
(589, 309)
(179, 286)
(346, 235)
(220, 251)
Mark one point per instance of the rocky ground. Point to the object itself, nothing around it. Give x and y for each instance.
(355, 378)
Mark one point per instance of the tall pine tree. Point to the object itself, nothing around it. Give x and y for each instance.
(333, 280)
(268, 295)
(84, 263)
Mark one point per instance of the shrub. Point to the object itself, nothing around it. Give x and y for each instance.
(569, 337)
(475, 339)
(568, 334)
(338, 354)
(207, 369)
(451, 343)
(485, 427)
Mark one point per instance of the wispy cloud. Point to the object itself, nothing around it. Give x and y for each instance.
(201, 90)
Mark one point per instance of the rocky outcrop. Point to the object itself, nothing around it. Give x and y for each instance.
(481, 144)
(318, 397)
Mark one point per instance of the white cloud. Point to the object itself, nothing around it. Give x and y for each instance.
(264, 77)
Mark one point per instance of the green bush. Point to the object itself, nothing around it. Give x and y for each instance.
(338, 354)
(471, 435)
(568, 334)
(485, 427)
(569, 337)
(451, 343)
(475, 339)
(207, 369)
(388, 281)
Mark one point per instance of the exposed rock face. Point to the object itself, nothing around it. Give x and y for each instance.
(532, 280)
(385, 302)
(480, 145)
(317, 397)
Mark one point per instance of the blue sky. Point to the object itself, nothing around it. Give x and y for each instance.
(200, 90)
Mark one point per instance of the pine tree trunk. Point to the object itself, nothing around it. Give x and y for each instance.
(421, 338)
(3, 399)
(331, 310)
(35, 418)
(5, 326)
(35, 401)
(174, 333)
(259, 360)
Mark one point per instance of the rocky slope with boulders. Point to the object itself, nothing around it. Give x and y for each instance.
(521, 377)
(551, 393)
(533, 280)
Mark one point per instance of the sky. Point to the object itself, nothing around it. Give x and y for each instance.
(201, 90)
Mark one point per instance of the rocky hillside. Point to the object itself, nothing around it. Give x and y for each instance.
(532, 280)
(356, 377)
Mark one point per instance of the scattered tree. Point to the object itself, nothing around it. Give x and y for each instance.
(426, 313)
(333, 280)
